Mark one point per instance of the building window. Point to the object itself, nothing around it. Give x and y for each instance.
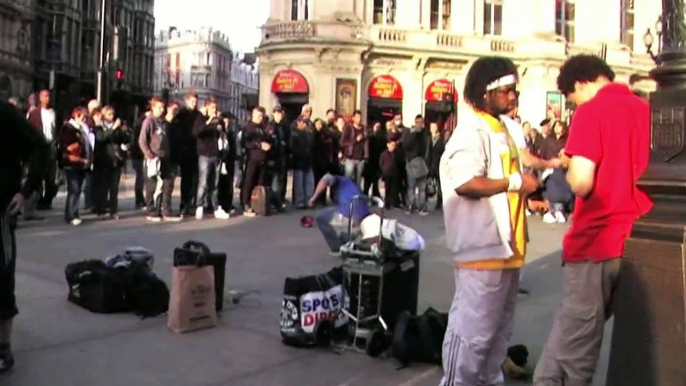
(627, 27)
(384, 12)
(299, 10)
(440, 15)
(564, 19)
(493, 17)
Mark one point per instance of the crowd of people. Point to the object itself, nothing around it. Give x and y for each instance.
(211, 153)
(486, 170)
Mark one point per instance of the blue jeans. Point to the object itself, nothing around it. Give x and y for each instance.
(75, 179)
(87, 192)
(418, 202)
(303, 184)
(354, 169)
(207, 181)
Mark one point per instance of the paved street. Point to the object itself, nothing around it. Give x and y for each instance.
(58, 343)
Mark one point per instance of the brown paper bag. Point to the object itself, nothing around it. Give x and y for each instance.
(191, 304)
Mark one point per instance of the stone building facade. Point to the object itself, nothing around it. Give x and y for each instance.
(411, 56)
(56, 45)
(203, 61)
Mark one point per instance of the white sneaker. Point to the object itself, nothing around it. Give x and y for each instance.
(221, 214)
(199, 213)
(548, 218)
(76, 222)
(560, 217)
(528, 213)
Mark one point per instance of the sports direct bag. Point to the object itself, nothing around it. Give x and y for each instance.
(311, 308)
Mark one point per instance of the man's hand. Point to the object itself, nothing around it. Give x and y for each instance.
(265, 146)
(117, 123)
(529, 183)
(554, 163)
(564, 161)
(311, 202)
(359, 137)
(17, 204)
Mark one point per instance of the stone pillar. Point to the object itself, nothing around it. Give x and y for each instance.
(649, 338)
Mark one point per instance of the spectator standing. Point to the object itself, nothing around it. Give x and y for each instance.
(207, 139)
(372, 172)
(416, 147)
(43, 119)
(255, 144)
(191, 120)
(390, 166)
(108, 160)
(355, 146)
(21, 145)
(302, 142)
(76, 162)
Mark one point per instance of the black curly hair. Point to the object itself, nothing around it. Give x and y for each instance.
(583, 69)
(484, 71)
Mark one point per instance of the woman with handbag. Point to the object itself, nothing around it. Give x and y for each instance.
(76, 160)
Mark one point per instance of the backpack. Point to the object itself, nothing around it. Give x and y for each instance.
(146, 294)
(419, 338)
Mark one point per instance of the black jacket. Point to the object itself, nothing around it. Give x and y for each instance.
(136, 153)
(108, 152)
(207, 136)
(228, 154)
(189, 122)
(251, 140)
(436, 149)
(415, 144)
(302, 142)
(20, 145)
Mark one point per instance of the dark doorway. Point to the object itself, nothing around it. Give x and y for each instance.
(443, 113)
(382, 110)
(292, 105)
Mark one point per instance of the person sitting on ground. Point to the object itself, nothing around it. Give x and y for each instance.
(332, 221)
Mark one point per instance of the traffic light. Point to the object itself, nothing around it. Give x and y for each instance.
(119, 76)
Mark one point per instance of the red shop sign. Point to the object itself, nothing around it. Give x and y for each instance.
(289, 81)
(440, 90)
(386, 87)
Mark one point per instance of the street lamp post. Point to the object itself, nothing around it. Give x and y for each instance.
(649, 335)
(101, 55)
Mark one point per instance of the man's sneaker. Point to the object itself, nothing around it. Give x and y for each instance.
(423, 212)
(560, 217)
(335, 253)
(171, 218)
(153, 217)
(6, 361)
(221, 214)
(75, 222)
(548, 218)
(114, 216)
(199, 213)
(249, 213)
(33, 218)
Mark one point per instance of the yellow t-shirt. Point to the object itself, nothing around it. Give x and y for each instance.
(510, 160)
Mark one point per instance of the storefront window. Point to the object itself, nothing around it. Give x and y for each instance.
(384, 12)
(627, 28)
(493, 17)
(565, 11)
(440, 14)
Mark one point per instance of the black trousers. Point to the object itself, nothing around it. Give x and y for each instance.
(251, 178)
(139, 187)
(49, 187)
(225, 187)
(371, 181)
(403, 185)
(189, 182)
(8, 260)
(106, 189)
(160, 204)
(393, 186)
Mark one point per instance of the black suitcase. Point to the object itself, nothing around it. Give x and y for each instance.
(197, 253)
(97, 287)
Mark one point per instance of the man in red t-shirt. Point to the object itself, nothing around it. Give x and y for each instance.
(606, 153)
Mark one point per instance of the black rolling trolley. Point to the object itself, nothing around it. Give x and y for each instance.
(380, 283)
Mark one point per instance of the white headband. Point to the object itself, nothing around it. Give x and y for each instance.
(503, 81)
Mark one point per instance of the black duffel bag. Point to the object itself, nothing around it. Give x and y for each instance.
(196, 253)
(96, 287)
